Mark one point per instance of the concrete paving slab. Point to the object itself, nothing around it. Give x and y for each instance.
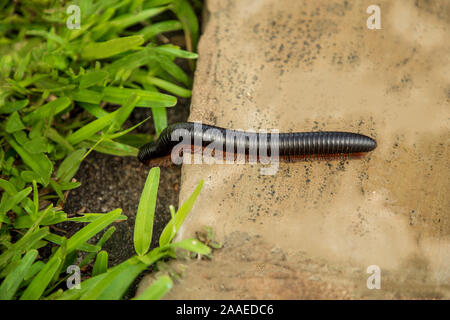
(312, 229)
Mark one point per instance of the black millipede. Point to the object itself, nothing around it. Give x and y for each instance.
(290, 146)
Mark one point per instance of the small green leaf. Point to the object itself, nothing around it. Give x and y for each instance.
(101, 263)
(147, 98)
(159, 119)
(34, 269)
(85, 95)
(188, 18)
(175, 223)
(127, 20)
(108, 146)
(163, 84)
(91, 229)
(91, 217)
(115, 282)
(38, 285)
(106, 235)
(8, 187)
(157, 290)
(160, 27)
(14, 123)
(10, 107)
(86, 247)
(106, 49)
(90, 129)
(70, 165)
(14, 200)
(192, 245)
(14, 279)
(25, 243)
(143, 227)
(47, 110)
(93, 109)
(93, 78)
(131, 61)
(38, 162)
(124, 112)
(175, 51)
(174, 70)
(36, 145)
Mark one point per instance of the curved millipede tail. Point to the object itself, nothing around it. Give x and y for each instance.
(291, 146)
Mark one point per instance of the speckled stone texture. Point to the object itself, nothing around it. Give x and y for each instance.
(311, 230)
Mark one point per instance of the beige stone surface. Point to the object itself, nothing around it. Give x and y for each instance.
(311, 230)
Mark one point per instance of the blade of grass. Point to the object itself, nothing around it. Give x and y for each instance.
(143, 227)
(174, 224)
(101, 263)
(38, 285)
(157, 290)
(39, 162)
(160, 27)
(13, 280)
(91, 229)
(93, 78)
(90, 129)
(192, 245)
(106, 49)
(67, 169)
(147, 98)
(115, 282)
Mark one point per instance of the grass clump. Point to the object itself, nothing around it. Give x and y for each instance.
(63, 93)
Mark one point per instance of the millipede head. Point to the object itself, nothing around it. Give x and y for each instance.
(147, 152)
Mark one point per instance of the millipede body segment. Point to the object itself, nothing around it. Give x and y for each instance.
(287, 146)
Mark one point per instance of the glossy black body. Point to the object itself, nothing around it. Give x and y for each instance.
(288, 144)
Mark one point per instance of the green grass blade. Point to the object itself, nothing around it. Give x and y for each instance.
(101, 263)
(93, 78)
(52, 108)
(115, 282)
(90, 129)
(124, 112)
(70, 165)
(27, 242)
(38, 285)
(176, 52)
(174, 70)
(14, 200)
(8, 187)
(143, 227)
(131, 19)
(86, 247)
(108, 146)
(192, 245)
(157, 290)
(160, 27)
(147, 98)
(14, 279)
(39, 163)
(174, 224)
(187, 16)
(106, 49)
(106, 235)
(160, 119)
(14, 123)
(91, 229)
